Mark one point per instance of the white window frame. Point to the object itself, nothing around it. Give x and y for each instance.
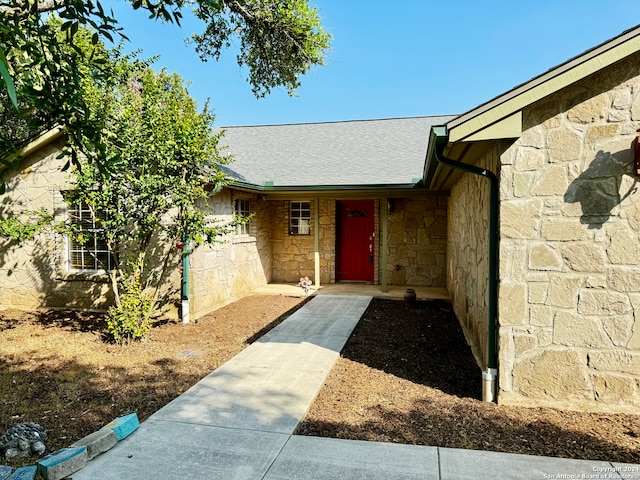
(299, 218)
(90, 253)
(242, 208)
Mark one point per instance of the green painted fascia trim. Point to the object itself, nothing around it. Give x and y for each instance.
(324, 188)
(546, 84)
(509, 127)
(437, 136)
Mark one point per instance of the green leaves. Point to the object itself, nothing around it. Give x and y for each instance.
(25, 227)
(280, 40)
(158, 164)
(129, 320)
(6, 78)
(47, 49)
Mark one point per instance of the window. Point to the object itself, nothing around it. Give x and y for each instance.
(300, 218)
(88, 247)
(243, 209)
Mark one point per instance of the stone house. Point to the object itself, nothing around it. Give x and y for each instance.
(335, 202)
(563, 306)
(525, 208)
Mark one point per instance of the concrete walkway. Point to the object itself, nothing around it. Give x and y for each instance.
(237, 423)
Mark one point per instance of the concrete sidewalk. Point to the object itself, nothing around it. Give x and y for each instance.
(237, 423)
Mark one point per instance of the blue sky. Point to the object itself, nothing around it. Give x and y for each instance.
(395, 59)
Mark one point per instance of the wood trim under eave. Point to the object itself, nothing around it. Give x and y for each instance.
(530, 95)
(510, 127)
(35, 145)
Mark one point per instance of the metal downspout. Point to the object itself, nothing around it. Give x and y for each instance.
(185, 280)
(489, 376)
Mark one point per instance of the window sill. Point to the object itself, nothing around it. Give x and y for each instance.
(243, 239)
(95, 276)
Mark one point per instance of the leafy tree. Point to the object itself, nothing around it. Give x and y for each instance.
(41, 62)
(164, 165)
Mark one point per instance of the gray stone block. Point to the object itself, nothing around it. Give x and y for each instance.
(124, 426)
(97, 442)
(5, 471)
(63, 462)
(24, 473)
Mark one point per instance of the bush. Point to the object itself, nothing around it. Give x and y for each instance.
(129, 319)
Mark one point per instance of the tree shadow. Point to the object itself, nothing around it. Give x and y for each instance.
(71, 401)
(266, 329)
(597, 189)
(73, 320)
(421, 342)
(481, 426)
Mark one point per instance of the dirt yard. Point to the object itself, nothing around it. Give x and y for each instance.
(406, 376)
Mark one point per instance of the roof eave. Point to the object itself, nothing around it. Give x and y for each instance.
(500, 111)
(324, 188)
(437, 136)
(33, 146)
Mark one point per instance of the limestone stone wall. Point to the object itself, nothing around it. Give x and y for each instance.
(327, 241)
(417, 240)
(570, 252)
(293, 255)
(468, 254)
(237, 264)
(33, 274)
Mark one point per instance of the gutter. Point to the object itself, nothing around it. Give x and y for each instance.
(268, 187)
(437, 143)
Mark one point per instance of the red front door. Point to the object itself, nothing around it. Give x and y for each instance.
(356, 240)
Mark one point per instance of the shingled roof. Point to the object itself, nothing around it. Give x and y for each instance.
(383, 153)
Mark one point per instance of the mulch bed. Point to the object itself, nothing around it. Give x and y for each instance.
(407, 375)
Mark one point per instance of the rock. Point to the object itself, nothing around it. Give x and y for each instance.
(23, 439)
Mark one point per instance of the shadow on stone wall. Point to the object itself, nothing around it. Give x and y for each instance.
(59, 290)
(36, 275)
(597, 189)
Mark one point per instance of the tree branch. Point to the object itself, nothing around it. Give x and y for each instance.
(24, 8)
(236, 7)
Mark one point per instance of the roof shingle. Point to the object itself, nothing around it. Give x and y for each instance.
(350, 153)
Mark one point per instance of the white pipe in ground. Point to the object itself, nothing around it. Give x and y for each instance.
(185, 311)
(489, 381)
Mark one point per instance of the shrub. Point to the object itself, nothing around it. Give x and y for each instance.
(129, 319)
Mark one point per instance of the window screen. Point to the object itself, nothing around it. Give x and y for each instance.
(243, 209)
(300, 218)
(87, 247)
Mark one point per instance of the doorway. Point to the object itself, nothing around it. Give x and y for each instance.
(355, 242)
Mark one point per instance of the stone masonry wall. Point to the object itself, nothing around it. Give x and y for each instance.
(293, 255)
(235, 266)
(417, 241)
(327, 241)
(468, 254)
(33, 274)
(570, 251)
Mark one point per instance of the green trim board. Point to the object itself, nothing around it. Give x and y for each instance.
(469, 125)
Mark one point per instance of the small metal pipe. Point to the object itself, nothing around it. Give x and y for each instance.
(185, 280)
(489, 376)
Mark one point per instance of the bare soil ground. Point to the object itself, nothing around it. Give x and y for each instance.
(57, 368)
(406, 376)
